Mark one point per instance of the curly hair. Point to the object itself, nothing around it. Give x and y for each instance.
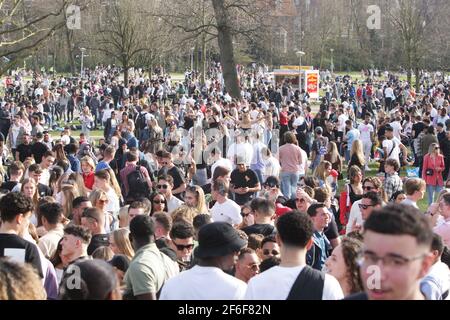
(184, 213)
(19, 282)
(13, 204)
(350, 250)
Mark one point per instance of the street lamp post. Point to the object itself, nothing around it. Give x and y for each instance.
(332, 64)
(299, 55)
(83, 50)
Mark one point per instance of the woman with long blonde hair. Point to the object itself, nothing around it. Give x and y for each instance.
(357, 155)
(333, 156)
(195, 198)
(29, 189)
(59, 153)
(322, 173)
(119, 242)
(69, 192)
(103, 181)
(79, 181)
(185, 212)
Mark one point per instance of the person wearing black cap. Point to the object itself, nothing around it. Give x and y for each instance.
(219, 244)
(150, 268)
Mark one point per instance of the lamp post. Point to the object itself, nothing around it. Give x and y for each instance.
(299, 55)
(83, 50)
(332, 64)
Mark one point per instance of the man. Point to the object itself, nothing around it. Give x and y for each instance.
(295, 232)
(182, 242)
(351, 136)
(436, 284)
(35, 173)
(224, 210)
(108, 156)
(218, 246)
(75, 164)
(165, 186)
(392, 146)
(24, 149)
(94, 220)
(48, 141)
(370, 201)
(15, 213)
(163, 225)
(36, 126)
(244, 183)
(264, 211)
(366, 131)
(78, 206)
(75, 243)
(389, 97)
(415, 190)
(179, 185)
(247, 265)
(137, 184)
(47, 161)
(110, 126)
(392, 183)
(137, 208)
(320, 251)
(400, 236)
(39, 148)
(150, 269)
(51, 217)
(444, 229)
(318, 149)
(16, 170)
(397, 127)
(257, 164)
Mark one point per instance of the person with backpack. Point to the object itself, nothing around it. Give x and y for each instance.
(135, 179)
(319, 148)
(293, 279)
(142, 124)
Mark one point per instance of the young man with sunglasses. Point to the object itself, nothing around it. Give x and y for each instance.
(165, 186)
(247, 265)
(182, 242)
(396, 254)
(370, 201)
(269, 248)
(264, 211)
(169, 168)
(94, 220)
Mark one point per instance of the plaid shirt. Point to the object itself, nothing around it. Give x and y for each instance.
(392, 184)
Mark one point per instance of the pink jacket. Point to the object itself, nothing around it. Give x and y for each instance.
(437, 165)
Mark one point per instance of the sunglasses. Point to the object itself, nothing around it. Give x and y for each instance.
(270, 186)
(301, 200)
(103, 200)
(245, 214)
(266, 252)
(365, 206)
(181, 247)
(368, 188)
(254, 267)
(162, 186)
(158, 201)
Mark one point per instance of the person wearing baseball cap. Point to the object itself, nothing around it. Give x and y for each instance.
(219, 244)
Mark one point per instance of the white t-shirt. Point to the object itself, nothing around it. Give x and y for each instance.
(222, 162)
(244, 150)
(341, 122)
(276, 283)
(397, 128)
(271, 167)
(389, 144)
(366, 131)
(355, 215)
(229, 212)
(409, 202)
(203, 283)
(173, 204)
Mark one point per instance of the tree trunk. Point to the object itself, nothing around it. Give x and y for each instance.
(226, 50)
(126, 70)
(203, 77)
(417, 78)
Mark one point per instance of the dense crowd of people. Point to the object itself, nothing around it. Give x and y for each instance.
(192, 194)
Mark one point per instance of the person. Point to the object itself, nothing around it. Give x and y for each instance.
(165, 187)
(432, 168)
(109, 156)
(247, 265)
(75, 243)
(219, 243)
(98, 282)
(182, 242)
(343, 265)
(392, 183)
(398, 197)
(370, 201)
(78, 206)
(159, 203)
(105, 181)
(366, 131)
(16, 170)
(169, 168)
(415, 190)
(392, 146)
(87, 169)
(51, 218)
(295, 232)
(15, 213)
(23, 150)
(263, 211)
(150, 269)
(400, 236)
(357, 156)
(35, 173)
(47, 162)
(99, 200)
(319, 252)
(163, 225)
(334, 157)
(19, 281)
(244, 183)
(103, 253)
(436, 284)
(225, 209)
(353, 193)
(75, 164)
(39, 148)
(443, 229)
(351, 136)
(136, 184)
(319, 148)
(195, 197)
(290, 157)
(119, 242)
(94, 220)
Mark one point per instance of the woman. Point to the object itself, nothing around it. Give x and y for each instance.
(195, 198)
(99, 200)
(156, 137)
(184, 213)
(159, 203)
(60, 155)
(173, 137)
(119, 242)
(323, 174)
(54, 182)
(16, 132)
(398, 197)
(343, 265)
(86, 120)
(334, 157)
(102, 182)
(357, 155)
(88, 169)
(353, 192)
(115, 138)
(248, 219)
(271, 164)
(30, 190)
(79, 181)
(126, 127)
(433, 166)
(65, 198)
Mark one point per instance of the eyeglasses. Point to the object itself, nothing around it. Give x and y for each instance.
(368, 188)
(266, 252)
(158, 201)
(390, 260)
(162, 186)
(243, 214)
(254, 267)
(181, 247)
(365, 206)
(270, 186)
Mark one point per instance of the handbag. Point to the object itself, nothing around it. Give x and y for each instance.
(429, 172)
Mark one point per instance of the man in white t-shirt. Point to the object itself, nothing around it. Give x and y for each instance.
(392, 146)
(218, 246)
(342, 117)
(397, 126)
(366, 133)
(224, 210)
(295, 231)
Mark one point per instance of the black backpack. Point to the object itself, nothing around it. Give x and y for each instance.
(141, 123)
(137, 184)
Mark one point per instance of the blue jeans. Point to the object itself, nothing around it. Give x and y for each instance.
(431, 190)
(289, 184)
